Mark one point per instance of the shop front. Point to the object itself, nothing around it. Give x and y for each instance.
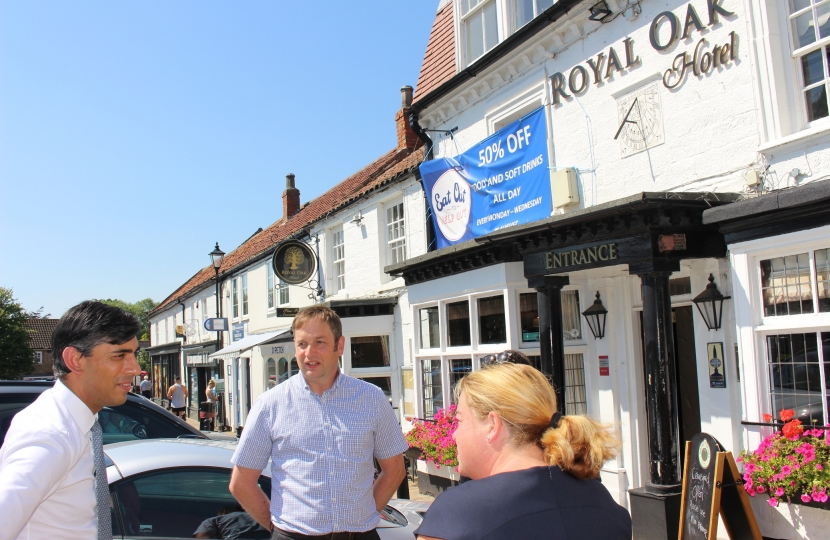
(639, 262)
(200, 369)
(243, 375)
(165, 366)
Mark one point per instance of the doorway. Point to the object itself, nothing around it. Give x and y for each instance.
(688, 396)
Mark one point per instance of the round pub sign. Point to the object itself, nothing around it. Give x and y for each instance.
(294, 262)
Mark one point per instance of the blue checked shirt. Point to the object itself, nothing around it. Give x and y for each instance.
(321, 450)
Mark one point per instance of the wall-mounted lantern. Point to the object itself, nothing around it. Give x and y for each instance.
(600, 12)
(595, 315)
(710, 305)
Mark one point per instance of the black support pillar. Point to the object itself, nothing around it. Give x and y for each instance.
(551, 335)
(655, 509)
(661, 386)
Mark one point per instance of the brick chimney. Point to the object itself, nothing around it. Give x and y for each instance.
(407, 139)
(290, 198)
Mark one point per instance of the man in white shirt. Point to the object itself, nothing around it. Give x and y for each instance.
(147, 388)
(53, 482)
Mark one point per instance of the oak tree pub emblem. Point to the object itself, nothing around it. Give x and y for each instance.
(294, 262)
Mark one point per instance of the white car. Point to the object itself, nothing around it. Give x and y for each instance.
(166, 488)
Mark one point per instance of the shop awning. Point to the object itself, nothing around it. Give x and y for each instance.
(234, 349)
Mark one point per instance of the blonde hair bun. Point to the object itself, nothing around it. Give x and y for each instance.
(525, 401)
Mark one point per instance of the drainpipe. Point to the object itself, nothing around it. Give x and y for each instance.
(419, 131)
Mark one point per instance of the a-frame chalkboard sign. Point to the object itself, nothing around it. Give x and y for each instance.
(712, 486)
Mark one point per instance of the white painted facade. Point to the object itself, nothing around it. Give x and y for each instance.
(712, 132)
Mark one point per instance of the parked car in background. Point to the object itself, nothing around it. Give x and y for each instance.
(166, 488)
(138, 418)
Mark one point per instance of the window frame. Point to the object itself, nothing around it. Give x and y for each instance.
(764, 326)
(798, 53)
(235, 298)
(338, 259)
(462, 22)
(270, 282)
(38, 356)
(399, 242)
(244, 295)
(282, 287)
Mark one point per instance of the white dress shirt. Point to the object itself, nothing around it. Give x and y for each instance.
(47, 487)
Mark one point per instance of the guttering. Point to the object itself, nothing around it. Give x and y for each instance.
(547, 17)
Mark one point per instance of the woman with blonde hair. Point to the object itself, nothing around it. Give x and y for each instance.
(534, 472)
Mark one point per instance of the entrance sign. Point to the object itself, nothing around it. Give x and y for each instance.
(712, 485)
(216, 325)
(294, 262)
(500, 182)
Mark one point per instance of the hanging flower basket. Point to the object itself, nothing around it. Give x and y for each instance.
(438, 461)
(791, 465)
(434, 438)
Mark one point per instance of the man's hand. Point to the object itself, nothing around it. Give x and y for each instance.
(392, 473)
(245, 487)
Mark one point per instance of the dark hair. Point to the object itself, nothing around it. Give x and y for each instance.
(319, 313)
(88, 325)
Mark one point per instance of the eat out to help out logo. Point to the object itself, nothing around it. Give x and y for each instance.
(451, 201)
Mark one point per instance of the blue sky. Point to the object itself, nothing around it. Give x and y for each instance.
(136, 134)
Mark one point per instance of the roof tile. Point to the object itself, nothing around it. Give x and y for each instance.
(40, 332)
(439, 59)
(381, 171)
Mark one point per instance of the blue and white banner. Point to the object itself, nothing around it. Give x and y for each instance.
(500, 182)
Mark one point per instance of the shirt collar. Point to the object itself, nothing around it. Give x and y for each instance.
(80, 412)
(336, 384)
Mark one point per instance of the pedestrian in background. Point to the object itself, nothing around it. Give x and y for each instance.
(147, 388)
(321, 429)
(534, 472)
(53, 482)
(177, 394)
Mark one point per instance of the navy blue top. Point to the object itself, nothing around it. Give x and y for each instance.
(536, 503)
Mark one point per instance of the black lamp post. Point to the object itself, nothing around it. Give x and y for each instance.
(710, 305)
(595, 315)
(216, 257)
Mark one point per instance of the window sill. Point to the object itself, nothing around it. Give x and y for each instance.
(812, 322)
(799, 140)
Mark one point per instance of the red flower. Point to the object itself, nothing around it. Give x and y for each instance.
(767, 417)
(786, 415)
(792, 429)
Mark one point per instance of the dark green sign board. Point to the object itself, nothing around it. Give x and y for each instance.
(711, 487)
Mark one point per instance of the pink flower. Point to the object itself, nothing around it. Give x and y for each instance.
(760, 489)
(786, 469)
(822, 496)
(773, 501)
(779, 491)
(805, 498)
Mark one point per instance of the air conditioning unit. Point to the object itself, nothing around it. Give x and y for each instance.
(563, 187)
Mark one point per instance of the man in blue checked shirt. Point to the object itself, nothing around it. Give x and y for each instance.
(321, 429)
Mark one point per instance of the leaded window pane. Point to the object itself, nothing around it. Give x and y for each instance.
(785, 285)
